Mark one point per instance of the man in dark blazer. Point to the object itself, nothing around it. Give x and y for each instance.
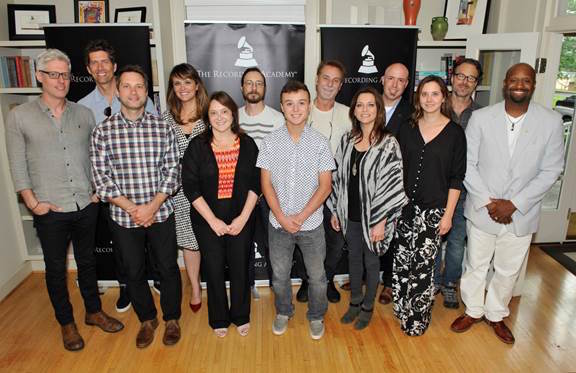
(398, 111)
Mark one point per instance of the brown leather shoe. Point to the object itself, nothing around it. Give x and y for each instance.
(463, 323)
(171, 333)
(502, 332)
(345, 286)
(104, 322)
(146, 334)
(385, 296)
(72, 339)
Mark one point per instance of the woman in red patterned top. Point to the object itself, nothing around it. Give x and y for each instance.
(222, 182)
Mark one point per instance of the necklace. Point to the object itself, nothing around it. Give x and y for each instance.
(514, 123)
(357, 159)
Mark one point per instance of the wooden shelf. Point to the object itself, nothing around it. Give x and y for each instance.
(22, 43)
(442, 44)
(22, 91)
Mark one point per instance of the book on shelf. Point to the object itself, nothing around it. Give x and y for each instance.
(17, 72)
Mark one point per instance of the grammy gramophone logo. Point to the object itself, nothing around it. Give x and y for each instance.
(246, 56)
(368, 66)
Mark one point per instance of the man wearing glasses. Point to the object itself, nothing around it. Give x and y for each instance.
(258, 120)
(47, 142)
(467, 74)
(100, 60)
(331, 119)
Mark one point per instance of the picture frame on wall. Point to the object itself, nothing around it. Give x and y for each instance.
(465, 18)
(91, 11)
(25, 20)
(130, 15)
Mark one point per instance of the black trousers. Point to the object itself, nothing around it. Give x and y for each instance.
(55, 231)
(161, 239)
(386, 263)
(261, 216)
(334, 250)
(219, 253)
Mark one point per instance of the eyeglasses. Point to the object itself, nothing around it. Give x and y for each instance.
(470, 78)
(108, 111)
(250, 83)
(56, 75)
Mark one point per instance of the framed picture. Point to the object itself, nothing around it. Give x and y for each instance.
(91, 11)
(25, 21)
(130, 15)
(465, 18)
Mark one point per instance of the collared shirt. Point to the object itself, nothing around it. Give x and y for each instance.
(137, 160)
(96, 102)
(51, 157)
(332, 124)
(464, 117)
(294, 170)
(391, 109)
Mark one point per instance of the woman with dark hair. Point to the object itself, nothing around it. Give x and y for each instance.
(222, 182)
(434, 156)
(367, 198)
(186, 100)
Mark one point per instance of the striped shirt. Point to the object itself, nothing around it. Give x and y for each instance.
(259, 125)
(137, 160)
(294, 170)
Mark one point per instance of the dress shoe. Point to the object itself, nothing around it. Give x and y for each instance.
(332, 294)
(195, 307)
(171, 333)
(104, 322)
(463, 323)
(385, 296)
(502, 332)
(302, 294)
(72, 339)
(146, 333)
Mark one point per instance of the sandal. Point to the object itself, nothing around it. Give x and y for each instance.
(221, 332)
(243, 329)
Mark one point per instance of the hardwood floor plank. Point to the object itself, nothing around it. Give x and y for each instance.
(542, 321)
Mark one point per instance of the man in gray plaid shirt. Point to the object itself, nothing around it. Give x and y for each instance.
(135, 165)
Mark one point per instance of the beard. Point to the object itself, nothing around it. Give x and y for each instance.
(518, 100)
(253, 97)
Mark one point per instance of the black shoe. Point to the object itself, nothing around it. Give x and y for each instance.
(156, 287)
(302, 294)
(123, 302)
(332, 294)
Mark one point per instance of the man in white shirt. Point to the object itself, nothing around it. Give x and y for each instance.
(331, 119)
(515, 154)
(258, 120)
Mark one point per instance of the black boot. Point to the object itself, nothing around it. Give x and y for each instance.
(302, 294)
(332, 294)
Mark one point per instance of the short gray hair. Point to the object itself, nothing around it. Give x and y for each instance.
(51, 55)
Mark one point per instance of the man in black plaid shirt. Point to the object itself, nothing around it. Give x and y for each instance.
(135, 164)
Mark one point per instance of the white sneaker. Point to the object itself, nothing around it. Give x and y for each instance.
(316, 329)
(280, 324)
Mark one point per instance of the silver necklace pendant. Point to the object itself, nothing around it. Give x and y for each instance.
(354, 169)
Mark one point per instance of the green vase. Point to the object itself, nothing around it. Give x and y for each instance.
(439, 28)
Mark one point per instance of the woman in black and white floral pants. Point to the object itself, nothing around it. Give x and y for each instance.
(434, 156)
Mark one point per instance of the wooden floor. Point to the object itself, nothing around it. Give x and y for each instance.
(543, 321)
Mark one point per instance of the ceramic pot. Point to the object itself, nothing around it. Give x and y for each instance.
(439, 28)
(411, 9)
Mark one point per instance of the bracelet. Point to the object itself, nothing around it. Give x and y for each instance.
(34, 208)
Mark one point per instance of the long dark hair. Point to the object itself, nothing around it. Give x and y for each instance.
(186, 71)
(224, 99)
(379, 130)
(444, 109)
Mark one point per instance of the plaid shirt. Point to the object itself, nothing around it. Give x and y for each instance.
(136, 160)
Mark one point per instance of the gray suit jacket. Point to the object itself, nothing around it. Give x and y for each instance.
(523, 177)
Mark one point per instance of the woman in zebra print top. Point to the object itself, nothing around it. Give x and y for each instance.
(367, 198)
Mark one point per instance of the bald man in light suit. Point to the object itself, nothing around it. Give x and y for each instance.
(515, 154)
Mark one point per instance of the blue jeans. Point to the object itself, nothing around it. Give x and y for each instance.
(313, 246)
(455, 245)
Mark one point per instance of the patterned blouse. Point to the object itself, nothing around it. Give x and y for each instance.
(226, 160)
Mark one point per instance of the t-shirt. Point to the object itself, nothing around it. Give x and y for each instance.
(332, 123)
(260, 125)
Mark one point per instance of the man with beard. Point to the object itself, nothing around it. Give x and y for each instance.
(258, 120)
(515, 154)
(331, 119)
(136, 167)
(467, 74)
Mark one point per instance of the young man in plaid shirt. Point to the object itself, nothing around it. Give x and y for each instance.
(135, 165)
